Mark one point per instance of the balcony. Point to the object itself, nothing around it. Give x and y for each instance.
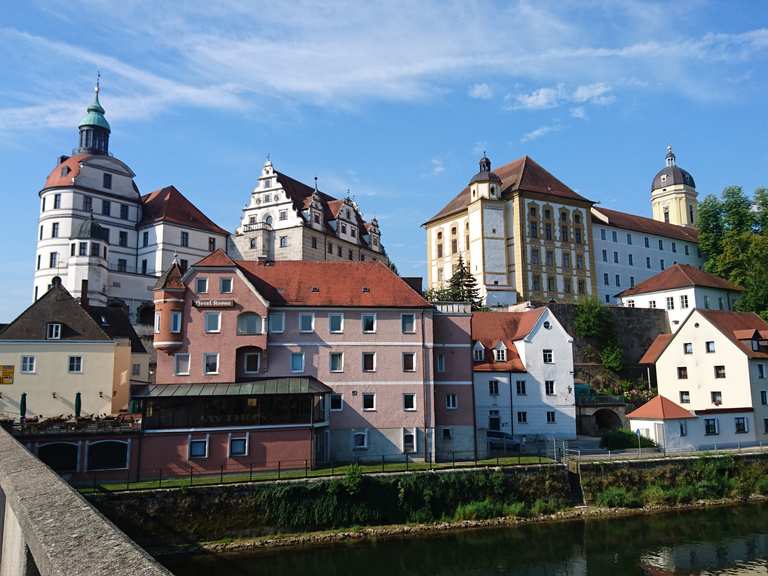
(256, 227)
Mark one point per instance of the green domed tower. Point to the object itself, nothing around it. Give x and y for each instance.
(94, 128)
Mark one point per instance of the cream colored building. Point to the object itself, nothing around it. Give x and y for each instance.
(57, 351)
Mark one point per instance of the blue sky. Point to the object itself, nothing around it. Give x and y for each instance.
(395, 101)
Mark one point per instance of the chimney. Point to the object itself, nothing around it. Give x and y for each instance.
(84, 293)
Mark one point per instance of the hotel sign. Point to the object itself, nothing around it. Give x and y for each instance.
(6, 374)
(214, 303)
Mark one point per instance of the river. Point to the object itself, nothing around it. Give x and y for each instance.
(727, 540)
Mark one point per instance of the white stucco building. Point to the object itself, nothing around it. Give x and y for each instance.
(716, 366)
(679, 290)
(522, 376)
(95, 225)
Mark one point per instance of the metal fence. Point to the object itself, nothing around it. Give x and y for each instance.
(596, 454)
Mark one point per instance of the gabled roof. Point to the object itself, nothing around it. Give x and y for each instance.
(656, 348)
(115, 322)
(215, 259)
(735, 325)
(660, 408)
(325, 283)
(626, 221)
(490, 328)
(680, 276)
(170, 205)
(522, 174)
(171, 278)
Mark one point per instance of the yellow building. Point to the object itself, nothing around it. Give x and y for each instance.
(59, 358)
(673, 194)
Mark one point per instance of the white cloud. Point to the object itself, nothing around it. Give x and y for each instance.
(539, 132)
(537, 100)
(578, 112)
(481, 91)
(438, 167)
(597, 93)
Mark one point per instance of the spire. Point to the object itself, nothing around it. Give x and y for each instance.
(94, 128)
(670, 156)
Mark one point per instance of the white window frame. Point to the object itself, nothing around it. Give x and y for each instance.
(69, 364)
(34, 364)
(440, 361)
(135, 369)
(238, 437)
(190, 440)
(201, 281)
(231, 285)
(544, 356)
(415, 440)
(413, 394)
(683, 301)
(311, 317)
(451, 401)
(365, 315)
(478, 352)
(493, 387)
(500, 354)
(340, 316)
(687, 347)
(362, 361)
(413, 355)
(341, 401)
(176, 315)
(246, 355)
(211, 314)
(246, 315)
(53, 331)
(205, 358)
(362, 399)
(402, 320)
(293, 354)
(707, 347)
(158, 319)
(670, 303)
(330, 362)
(176, 364)
(274, 315)
(364, 433)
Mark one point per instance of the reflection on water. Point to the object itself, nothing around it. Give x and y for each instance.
(730, 541)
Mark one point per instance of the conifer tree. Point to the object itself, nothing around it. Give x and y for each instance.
(457, 282)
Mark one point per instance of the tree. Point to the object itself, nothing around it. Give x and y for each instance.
(592, 318)
(737, 211)
(458, 281)
(753, 277)
(710, 222)
(761, 210)
(438, 295)
(472, 291)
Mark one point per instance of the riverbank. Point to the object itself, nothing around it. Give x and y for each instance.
(393, 531)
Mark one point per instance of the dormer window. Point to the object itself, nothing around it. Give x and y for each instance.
(755, 345)
(500, 353)
(317, 218)
(53, 331)
(478, 352)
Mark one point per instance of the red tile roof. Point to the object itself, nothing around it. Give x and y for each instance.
(72, 164)
(626, 221)
(489, 328)
(680, 276)
(656, 348)
(170, 205)
(735, 325)
(522, 174)
(660, 408)
(215, 259)
(308, 283)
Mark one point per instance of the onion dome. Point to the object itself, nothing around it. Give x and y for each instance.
(94, 128)
(672, 174)
(485, 174)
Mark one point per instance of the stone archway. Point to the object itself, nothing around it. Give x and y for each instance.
(606, 420)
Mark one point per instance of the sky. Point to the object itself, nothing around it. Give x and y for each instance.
(395, 101)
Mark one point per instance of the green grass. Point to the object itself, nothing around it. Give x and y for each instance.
(320, 472)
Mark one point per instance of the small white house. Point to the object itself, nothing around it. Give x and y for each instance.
(674, 428)
(679, 290)
(522, 376)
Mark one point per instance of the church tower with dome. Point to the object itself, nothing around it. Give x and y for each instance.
(673, 194)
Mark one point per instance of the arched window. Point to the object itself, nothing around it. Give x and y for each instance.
(253, 243)
(61, 456)
(108, 455)
(268, 219)
(249, 323)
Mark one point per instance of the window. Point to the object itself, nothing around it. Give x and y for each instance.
(27, 364)
(145, 239)
(307, 322)
(550, 417)
(605, 279)
(87, 204)
(248, 324)
(764, 397)
(369, 361)
(717, 398)
(451, 402)
(500, 355)
(314, 240)
(710, 426)
(276, 322)
(618, 280)
(447, 434)
(124, 211)
(685, 397)
(614, 236)
(297, 362)
(478, 354)
(549, 387)
(176, 321)
(409, 402)
(682, 372)
(630, 303)
(198, 448)
(336, 323)
(123, 238)
(761, 371)
(157, 322)
(360, 440)
(409, 361)
(683, 428)
(82, 248)
(183, 264)
(533, 230)
(136, 370)
(107, 180)
(674, 247)
(493, 387)
(741, 425)
(337, 402)
(706, 302)
(652, 304)
(53, 259)
(338, 251)
(337, 362)
(687, 251)
(710, 347)
(238, 446)
(211, 362)
(615, 257)
(55, 230)
(661, 245)
(182, 364)
(522, 417)
(440, 361)
(213, 322)
(661, 264)
(408, 323)
(53, 331)
(369, 401)
(547, 356)
(201, 285)
(409, 440)
(579, 261)
(369, 323)
(106, 207)
(551, 283)
(688, 348)
(76, 364)
(283, 241)
(330, 248)
(670, 303)
(251, 362)
(144, 266)
(548, 231)
(282, 215)
(719, 371)
(602, 233)
(521, 388)
(683, 301)
(211, 244)
(648, 262)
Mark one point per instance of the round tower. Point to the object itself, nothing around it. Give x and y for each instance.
(673, 194)
(485, 184)
(169, 309)
(94, 128)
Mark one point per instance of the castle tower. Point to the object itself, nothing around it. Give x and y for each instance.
(169, 309)
(673, 194)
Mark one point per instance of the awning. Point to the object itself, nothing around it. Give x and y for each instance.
(266, 386)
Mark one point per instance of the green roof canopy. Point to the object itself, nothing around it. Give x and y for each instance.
(268, 386)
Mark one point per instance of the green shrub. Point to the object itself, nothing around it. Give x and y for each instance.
(612, 357)
(684, 494)
(514, 509)
(655, 495)
(624, 439)
(352, 480)
(618, 497)
(761, 486)
(544, 507)
(479, 510)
